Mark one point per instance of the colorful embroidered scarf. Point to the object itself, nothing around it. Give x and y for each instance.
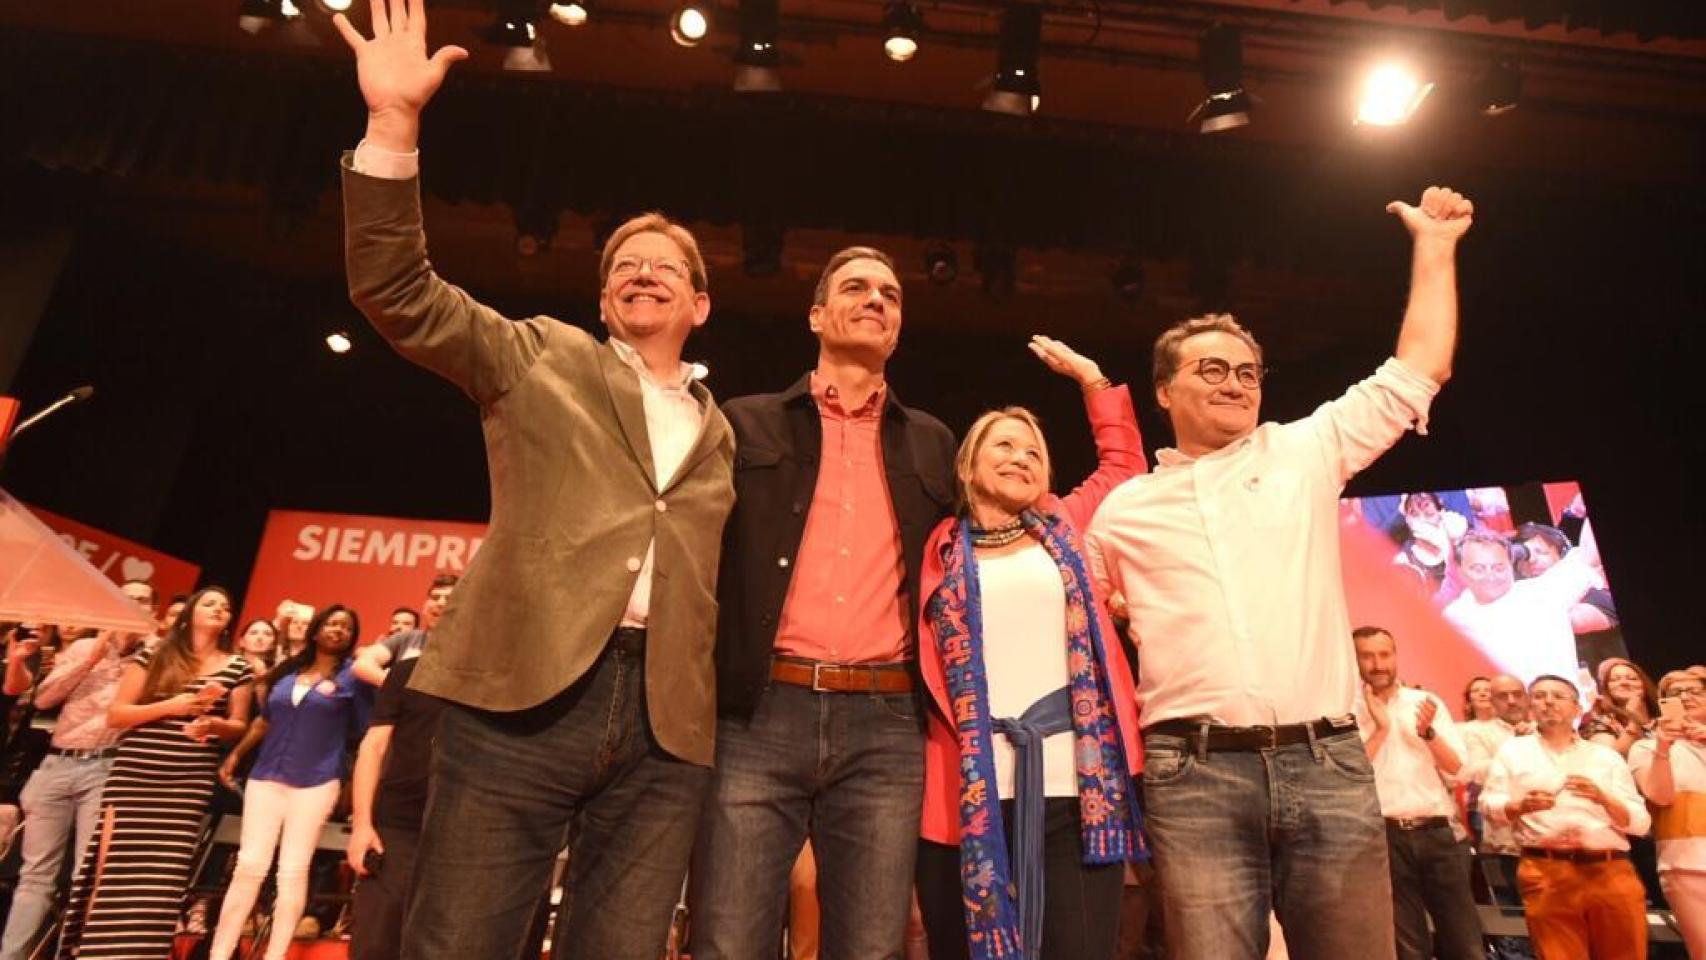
(1107, 806)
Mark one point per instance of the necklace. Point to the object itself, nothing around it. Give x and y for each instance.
(999, 536)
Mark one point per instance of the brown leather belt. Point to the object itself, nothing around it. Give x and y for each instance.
(1574, 854)
(1250, 738)
(822, 677)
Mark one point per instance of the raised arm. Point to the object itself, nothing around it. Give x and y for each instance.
(1113, 422)
(1428, 338)
(427, 320)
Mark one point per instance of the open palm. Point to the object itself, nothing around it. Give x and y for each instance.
(396, 75)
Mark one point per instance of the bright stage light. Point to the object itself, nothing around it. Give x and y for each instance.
(689, 25)
(569, 14)
(901, 24)
(1390, 96)
(338, 342)
(337, 6)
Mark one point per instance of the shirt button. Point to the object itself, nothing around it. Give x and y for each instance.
(844, 551)
(633, 564)
(840, 599)
(662, 507)
(782, 562)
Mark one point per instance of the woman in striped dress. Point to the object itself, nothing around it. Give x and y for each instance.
(176, 702)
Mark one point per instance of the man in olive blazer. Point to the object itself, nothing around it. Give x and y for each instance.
(577, 650)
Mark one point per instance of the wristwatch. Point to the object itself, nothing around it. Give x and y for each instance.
(1428, 734)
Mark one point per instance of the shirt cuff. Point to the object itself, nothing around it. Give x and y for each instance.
(385, 164)
(1415, 390)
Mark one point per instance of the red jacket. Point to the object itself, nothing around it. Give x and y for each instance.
(1119, 450)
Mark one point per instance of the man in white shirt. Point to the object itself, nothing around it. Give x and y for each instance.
(1523, 625)
(1481, 742)
(1413, 744)
(1257, 790)
(1573, 805)
(577, 651)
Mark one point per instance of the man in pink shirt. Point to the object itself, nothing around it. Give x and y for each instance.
(837, 486)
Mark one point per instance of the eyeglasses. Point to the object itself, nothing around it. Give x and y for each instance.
(669, 268)
(1693, 691)
(1213, 371)
(1560, 696)
(1482, 569)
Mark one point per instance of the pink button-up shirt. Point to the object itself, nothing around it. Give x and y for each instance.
(844, 603)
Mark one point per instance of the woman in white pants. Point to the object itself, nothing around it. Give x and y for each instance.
(313, 709)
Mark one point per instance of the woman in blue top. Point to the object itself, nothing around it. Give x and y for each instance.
(312, 710)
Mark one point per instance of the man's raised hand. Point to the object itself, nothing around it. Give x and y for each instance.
(397, 77)
(1443, 214)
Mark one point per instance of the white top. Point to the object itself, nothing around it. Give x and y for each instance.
(1682, 845)
(1024, 652)
(1527, 631)
(1481, 741)
(1527, 763)
(1229, 563)
(673, 416)
(1404, 773)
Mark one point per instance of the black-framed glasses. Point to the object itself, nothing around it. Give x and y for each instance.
(1214, 371)
(1694, 691)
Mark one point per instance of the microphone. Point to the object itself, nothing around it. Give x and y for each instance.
(81, 393)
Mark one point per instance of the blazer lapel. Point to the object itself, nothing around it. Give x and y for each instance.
(624, 386)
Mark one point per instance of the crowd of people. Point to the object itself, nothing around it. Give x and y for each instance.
(700, 636)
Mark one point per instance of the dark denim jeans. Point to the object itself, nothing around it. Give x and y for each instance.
(1296, 830)
(511, 789)
(1430, 878)
(845, 768)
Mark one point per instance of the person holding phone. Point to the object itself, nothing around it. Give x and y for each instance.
(174, 702)
(1670, 769)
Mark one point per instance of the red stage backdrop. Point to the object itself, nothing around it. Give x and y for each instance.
(374, 564)
(122, 559)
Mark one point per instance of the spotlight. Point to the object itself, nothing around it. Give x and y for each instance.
(515, 30)
(689, 25)
(338, 342)
(757, 57)
(901, 25)
(1018, 89)
(1499, 88)
(1128, 278)
(253, 16)
(336, 6)
(1390, 96)
(761, 248)
(1227, 106)
(571, 14)
(995, 265)
(941, 264)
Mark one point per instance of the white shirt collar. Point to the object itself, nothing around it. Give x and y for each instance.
(628, 355)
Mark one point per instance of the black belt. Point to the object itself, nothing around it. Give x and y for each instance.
(1250, 738)
(629, 639)
(96, 753)
(1574, 854)
(1417, 823)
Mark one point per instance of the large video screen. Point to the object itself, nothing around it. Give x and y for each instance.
(1483, 580)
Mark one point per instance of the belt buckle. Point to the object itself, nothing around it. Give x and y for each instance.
(817, 675)
(1269, 736)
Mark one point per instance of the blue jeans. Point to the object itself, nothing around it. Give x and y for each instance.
(1296, 830)
(845, 768)
(61, 802)
(512, 789)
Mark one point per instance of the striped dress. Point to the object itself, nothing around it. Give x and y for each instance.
(154, 804)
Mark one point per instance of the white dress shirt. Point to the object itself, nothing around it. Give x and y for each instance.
(674, 417)
(1409, 783)
(1527, 631)
(1482, 740)
(1527, 763)
(1229, 563)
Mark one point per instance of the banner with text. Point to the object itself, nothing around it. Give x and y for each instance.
(120, 559)
(373, 564)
